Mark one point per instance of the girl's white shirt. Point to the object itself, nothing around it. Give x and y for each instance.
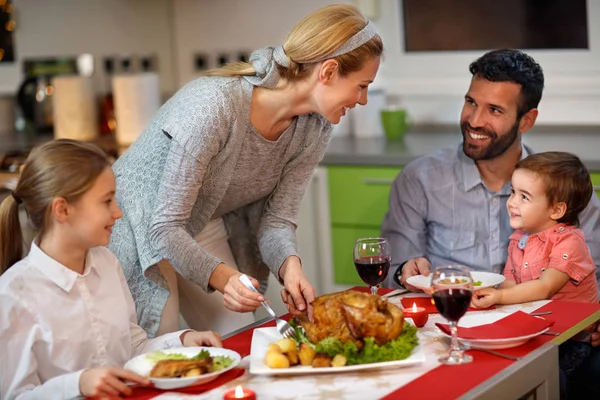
(56, 323)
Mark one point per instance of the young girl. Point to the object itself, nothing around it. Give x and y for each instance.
(548, 257)
(67, 318)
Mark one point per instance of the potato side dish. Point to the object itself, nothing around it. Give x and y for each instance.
(286, 353)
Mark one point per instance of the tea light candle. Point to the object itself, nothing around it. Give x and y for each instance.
(240, 393)
(419, 315)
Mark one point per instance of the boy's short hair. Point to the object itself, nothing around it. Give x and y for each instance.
(566, 180)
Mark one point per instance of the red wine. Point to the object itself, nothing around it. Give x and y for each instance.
(372, 270)
(452, 303)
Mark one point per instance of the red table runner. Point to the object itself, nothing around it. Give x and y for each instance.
(564, 314)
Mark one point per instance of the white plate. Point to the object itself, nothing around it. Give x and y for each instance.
(262, 337)
(471, 320)
(142, 365)
(488, 279)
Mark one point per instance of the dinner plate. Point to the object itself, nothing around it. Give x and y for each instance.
(262, 337)
(487, 279)
(469, 321)
(142, 365)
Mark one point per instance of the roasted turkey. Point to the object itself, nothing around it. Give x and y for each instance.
(353, 316)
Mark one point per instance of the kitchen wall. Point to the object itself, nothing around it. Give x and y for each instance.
(107, 27)
(431, 86)
(232, 26)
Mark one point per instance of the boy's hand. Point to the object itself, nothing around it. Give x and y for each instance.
(109, 381)
(485, 298)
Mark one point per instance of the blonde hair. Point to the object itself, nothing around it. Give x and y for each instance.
(60, 168)
(314, 38)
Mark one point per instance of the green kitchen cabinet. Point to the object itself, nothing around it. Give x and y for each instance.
(358, 201)
(596, 181)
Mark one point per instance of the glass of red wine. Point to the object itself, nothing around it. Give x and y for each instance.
(452, 290)
(372, 260)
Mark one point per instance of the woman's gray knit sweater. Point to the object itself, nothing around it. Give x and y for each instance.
(172, 179)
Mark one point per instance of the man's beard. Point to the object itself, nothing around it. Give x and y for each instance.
(497, 146)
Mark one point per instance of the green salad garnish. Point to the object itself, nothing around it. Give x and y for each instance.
(477, 283)
(398, 349)
(219, 362)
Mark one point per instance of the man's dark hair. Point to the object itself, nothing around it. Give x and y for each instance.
(508, 65)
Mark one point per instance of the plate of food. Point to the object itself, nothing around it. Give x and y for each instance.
(351, 331)
(480, 280)
(183, 366)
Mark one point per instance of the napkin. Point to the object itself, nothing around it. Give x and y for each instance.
(428, 304)
(515, 325)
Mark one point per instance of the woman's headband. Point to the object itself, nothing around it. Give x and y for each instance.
(264, 60)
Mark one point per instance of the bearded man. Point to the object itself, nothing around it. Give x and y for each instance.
(449, 207)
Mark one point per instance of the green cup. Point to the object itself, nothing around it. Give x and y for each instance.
(395, 123)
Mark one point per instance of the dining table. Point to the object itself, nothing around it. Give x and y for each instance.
(532, 374)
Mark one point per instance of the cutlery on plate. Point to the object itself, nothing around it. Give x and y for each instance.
(283, 327)
(395, 293)
(495, 353)
(537, 314)
(551, 333)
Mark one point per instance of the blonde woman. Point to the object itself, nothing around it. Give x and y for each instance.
(212, 187)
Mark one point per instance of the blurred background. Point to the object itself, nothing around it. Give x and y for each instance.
(99, 70)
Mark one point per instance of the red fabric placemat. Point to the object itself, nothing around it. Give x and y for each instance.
(565, 314)
(515, 325)
(428, 304)
(144, 393)
(240, 343)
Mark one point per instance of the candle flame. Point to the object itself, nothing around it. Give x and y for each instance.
(239, 392)
(414, 307)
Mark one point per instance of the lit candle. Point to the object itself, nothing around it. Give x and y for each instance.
(419, 315)
(240, 393)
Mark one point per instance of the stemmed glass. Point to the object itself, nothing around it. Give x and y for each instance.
(452, 290)
(372, 260)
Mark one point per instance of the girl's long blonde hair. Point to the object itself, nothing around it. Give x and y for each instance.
(60, 168)
(314, 38)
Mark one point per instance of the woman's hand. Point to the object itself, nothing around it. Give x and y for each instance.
(236, 296)
(109, 381)
(485, 298)
(298, 293)
(205, 338)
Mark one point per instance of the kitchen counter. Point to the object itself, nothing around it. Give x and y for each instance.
(583, 141)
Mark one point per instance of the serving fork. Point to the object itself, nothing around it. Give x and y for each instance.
(285, 329)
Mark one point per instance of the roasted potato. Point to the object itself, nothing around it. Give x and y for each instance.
(339, 360)
(275, 359)
(321, 361)
(287, 345)
(306, 354)
(274, 348)
(292, 355)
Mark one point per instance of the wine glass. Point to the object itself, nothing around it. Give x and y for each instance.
(452, 290)
(372, 260)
